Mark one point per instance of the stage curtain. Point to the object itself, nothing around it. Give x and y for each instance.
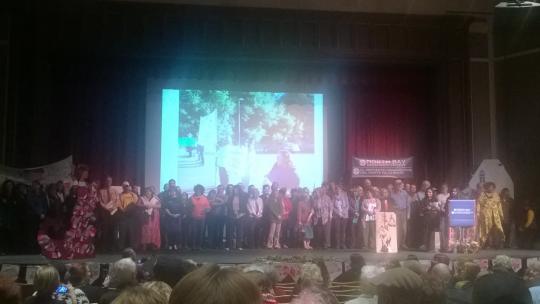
(387, 116)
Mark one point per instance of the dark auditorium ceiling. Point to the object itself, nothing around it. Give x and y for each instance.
(417, 7)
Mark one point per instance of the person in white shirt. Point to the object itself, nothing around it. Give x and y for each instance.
(370, 205)
(254, 229)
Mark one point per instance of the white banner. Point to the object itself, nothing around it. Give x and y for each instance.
(48, 174)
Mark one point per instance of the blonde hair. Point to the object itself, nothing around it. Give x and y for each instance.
(140, 295)
(159, 287)
(46, 279)
(211, 285)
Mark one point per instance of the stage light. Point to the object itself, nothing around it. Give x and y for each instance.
(517, 4)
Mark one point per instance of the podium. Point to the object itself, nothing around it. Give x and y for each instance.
(386, 232)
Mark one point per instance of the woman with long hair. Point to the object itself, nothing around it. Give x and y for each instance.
(150, 233)
(431, 213)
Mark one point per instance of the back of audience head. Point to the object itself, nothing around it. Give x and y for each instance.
(264, 276)
(123, 273)
(470, 271)
(46, 279)
(161, 288)
(311, 275)
(10, 292)
(414, 266)
(357, 262)
(171, 269)
(212, 285)
(129, 253)
(77, 274)
(140, 295)
(315, 295)
(502, 263)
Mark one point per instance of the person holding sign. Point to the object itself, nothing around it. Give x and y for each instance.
(490, 217)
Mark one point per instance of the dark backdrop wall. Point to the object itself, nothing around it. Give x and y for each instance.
(517, 48)
(78, 74)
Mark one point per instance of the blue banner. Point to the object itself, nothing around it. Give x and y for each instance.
(461, 213)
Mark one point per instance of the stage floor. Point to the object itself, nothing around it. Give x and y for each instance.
(250, 256)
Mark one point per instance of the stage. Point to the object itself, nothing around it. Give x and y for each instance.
(249, 256)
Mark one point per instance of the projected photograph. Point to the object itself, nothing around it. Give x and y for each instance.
(230, 137)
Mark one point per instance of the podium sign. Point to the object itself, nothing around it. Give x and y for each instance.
(461, 213)
(386, 232)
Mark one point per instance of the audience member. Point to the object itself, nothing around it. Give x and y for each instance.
(10, 292)
(161, 288)
(46, 281)
(123, 275)
(501, 286)
(353, 274)
(212, 285)
(171, 269)
(315, 295)
(140, 295)
(78, 276)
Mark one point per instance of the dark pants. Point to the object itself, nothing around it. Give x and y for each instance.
(235, 231)
(127, 231)
(432, 224)
(323, 233)
(109, 231)
(174, 232)
(356, 234)
(253, 232)
(197, 232)
(288, 234)
(526, 238)
(340, 226)
(215, 230)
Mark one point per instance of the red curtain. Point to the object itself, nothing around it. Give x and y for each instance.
(388, 115)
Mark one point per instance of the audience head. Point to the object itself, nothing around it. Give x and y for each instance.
(412, 257)
(502, 263)
(315, 295)
(440, 258)
(161, 288)
(414, 266)
(425, 185)
(171, 269)
(140, 295)
(10, 292)
(311, 275)
(413, 188)
(398, 285)
(357, 262)
(533, 272)
(269, 276)
(470, 271)
(123, 273)
(77, 274)
(212, 285)
(46, 279)
(129, 253)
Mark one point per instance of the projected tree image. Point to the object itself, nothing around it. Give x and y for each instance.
(267, 121)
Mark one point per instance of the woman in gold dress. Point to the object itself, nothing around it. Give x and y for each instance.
(490, 217)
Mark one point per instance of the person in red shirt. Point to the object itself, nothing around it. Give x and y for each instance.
(200, 206)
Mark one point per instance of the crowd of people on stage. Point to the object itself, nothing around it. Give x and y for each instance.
(68, 224)
(170, 279)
